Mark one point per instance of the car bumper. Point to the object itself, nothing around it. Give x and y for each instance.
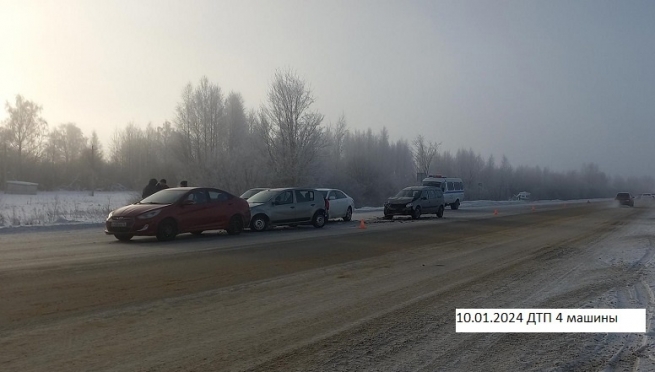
(398, 211)
(133, 227)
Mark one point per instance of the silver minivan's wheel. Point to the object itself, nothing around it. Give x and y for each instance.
(259, 223)
(349, 215)
(417, 213)
(440, 211)
(455, 205)
(319, 219)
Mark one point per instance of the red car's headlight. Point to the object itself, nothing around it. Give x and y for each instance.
(149, 215)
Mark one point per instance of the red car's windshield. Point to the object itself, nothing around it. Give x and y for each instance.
(164, 197)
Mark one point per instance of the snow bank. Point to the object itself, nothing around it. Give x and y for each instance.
(60, 207)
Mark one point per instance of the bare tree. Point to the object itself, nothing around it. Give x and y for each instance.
(200, 121)
(293, 134)
(424, 153)
(97, 145)
(25, 129)
(69, 141)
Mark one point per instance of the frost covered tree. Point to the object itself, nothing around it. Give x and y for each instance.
(200, 122)
(424, 153)
(291, 131)
(25, 130)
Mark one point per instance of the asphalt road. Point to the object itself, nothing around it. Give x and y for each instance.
(337, 298)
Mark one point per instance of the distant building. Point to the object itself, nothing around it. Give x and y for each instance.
(20, 187)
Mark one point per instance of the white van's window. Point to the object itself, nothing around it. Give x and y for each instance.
(451, 186)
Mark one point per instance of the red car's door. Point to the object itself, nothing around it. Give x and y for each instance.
(223, 207)
(193, 213)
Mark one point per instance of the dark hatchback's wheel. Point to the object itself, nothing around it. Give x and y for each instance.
(388, 217)
(417, 213)
(236, 226)
(349, 215)
(259, 223)
(319, 219)
(440, 211)
(455, 205)
(123, 237)
(167, 230)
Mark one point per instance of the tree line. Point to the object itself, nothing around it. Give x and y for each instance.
(214, 140)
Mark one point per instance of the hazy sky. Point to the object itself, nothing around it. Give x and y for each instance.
(550, 83)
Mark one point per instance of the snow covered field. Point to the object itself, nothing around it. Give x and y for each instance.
(60, 207)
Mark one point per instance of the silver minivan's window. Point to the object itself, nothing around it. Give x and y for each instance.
(263, 197)
(304, 196)
(286, 197)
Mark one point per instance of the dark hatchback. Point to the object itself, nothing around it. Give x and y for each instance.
(169, 212)
(625, 198)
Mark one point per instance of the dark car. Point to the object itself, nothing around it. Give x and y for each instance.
(625, 198)
(179, 210)
(414, 201)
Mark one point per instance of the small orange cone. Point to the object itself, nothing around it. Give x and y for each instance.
(362, 225)
(495, 212)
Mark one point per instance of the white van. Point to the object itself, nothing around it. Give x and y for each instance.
(453, 188)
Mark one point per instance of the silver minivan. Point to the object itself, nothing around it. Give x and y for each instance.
(287, 206)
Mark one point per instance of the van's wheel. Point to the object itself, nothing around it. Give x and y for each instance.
(388, 217)
(349, 215)
(440, 211)
(417, 213)
(166, 230)
(236, 226)
(319, 219)
(259, 223)
(455, 205)
(123, 237)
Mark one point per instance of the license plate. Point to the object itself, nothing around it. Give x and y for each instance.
(118, 224)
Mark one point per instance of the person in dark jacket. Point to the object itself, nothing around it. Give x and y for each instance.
(150, 188)
(162, 184)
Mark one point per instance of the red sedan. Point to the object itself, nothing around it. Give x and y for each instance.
(179, 210)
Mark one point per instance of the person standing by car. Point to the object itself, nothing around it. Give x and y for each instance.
(150, 188)
(162, 184)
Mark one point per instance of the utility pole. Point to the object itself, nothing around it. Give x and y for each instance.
(93, 184)
(5, 160)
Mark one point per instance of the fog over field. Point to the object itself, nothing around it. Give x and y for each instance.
(509, 96)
